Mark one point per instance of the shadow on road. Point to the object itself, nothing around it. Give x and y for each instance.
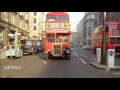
(41, 56)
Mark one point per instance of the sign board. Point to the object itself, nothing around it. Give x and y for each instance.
(111, 53)
(11, 35)
(19, 34)
(43, 35)
(110, 57)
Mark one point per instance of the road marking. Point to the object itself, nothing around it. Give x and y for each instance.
(75, 54)
(93, 58)
(83, 55)
(82, 60)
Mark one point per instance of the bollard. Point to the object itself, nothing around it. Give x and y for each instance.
(98, 55)
(110, 58)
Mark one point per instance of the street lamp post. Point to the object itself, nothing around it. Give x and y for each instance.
(103, 52)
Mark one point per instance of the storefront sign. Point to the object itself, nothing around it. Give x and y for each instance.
(19, 34)
(10, 35)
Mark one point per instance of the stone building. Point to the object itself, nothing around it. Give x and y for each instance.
(36, 25)
(86, 27)
(80, 32)
(14, 26)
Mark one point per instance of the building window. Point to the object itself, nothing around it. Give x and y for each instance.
(35, 13)
(92, 16)
(34, 28)
(34, 20)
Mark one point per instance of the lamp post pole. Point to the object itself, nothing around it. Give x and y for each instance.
(103, 52)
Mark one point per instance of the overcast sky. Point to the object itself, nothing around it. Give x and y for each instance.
(75, 17)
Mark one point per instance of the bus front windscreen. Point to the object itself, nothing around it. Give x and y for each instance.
(63, 39)
(51, 18)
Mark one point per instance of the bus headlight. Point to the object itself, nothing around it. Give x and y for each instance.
(67, 25)
(46, 25)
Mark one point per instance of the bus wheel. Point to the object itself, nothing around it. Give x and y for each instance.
(68, 56)
(46, 56)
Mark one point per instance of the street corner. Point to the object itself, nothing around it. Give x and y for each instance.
(104, 67)
(97, 65)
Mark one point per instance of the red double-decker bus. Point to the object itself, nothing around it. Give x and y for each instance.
(57, 35)
(112, 37)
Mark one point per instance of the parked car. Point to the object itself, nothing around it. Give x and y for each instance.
(28, 46)
(14, 51)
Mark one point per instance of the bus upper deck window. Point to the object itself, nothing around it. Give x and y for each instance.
(51, 18)
(62, 18)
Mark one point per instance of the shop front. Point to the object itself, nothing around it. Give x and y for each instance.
(1, 34)
(11, 37)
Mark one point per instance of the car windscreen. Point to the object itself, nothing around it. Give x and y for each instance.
(26, 42)
(63, 39)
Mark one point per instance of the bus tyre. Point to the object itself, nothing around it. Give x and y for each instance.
(68, 56)
(46, 56)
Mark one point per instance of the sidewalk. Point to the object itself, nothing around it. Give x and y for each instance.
(3, 54)
(104, 67)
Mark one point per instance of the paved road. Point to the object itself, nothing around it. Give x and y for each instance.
(78, 67)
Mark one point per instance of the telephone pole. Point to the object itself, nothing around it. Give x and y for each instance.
(103, 50)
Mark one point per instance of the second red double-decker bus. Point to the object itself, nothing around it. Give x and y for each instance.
(57, 35)
(112, 37)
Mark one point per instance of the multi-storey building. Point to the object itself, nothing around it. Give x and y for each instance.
(90, 21)
(111, 16)
(36, 25)
(80, 32)
(14, 26)
(73, 38)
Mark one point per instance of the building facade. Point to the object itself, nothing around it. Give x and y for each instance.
(80, 33)
(73, 38)
(36, 25)
(90, 21)
(111, 16)
(14, 26)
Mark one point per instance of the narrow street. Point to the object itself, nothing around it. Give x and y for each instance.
(36, 67)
